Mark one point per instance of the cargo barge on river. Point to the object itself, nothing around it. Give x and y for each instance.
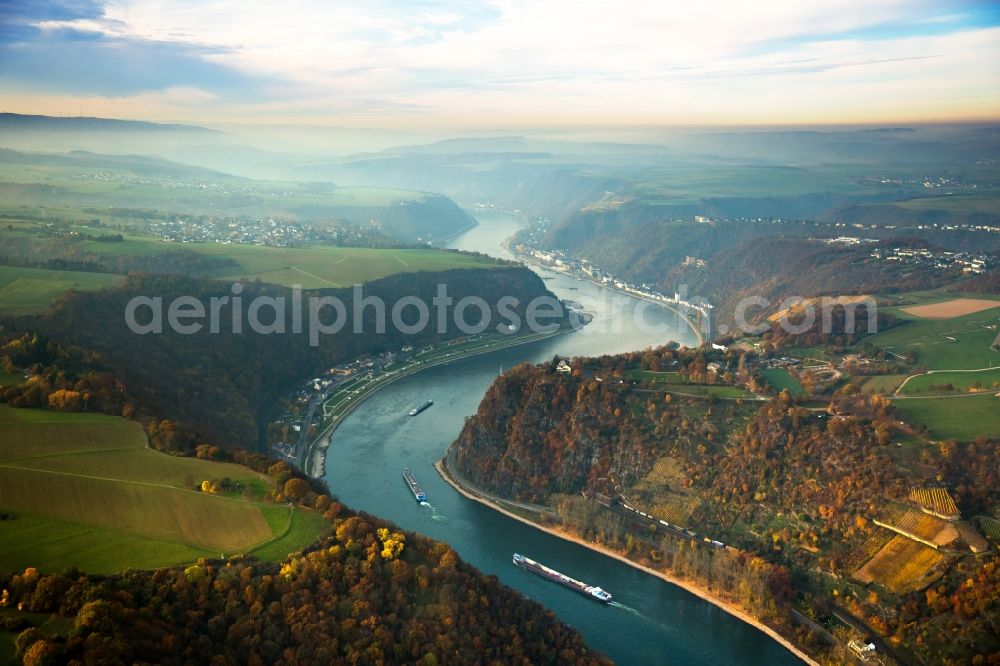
(590, 591)
(411, 481)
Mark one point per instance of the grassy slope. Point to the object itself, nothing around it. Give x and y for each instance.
(29, 289)
(962, 418)
(780, 380)
(86, 492)
(321, 266)
(54, 545)
(292, 529)
(258, 258)
(76, 184)
(884, 384)
(962, 381)
(962, 343)
(958, 203)
(672, 381)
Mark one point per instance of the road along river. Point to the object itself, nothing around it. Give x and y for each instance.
(656, 623)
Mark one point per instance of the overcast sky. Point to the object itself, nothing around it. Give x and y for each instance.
(504, 63)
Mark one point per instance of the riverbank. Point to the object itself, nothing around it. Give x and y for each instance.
(315, 457)
(701, 593)
(528, 260)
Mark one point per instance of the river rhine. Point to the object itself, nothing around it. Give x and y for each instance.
(660, 623)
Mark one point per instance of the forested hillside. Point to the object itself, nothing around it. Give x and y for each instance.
(779, 268)
(366, 593)
(798, 485)
(215, 383)
(725, 261)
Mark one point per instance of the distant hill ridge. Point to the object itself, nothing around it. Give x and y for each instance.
(48, 123)
(90, 159)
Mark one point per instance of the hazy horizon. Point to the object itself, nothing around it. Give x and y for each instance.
(478, 66)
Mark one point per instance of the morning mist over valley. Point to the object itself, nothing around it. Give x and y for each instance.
(500, 332)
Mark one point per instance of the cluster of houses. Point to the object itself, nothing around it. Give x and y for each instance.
(251, 231)
(966, 261)
(926, 182)
(319, 388)
(560, 261)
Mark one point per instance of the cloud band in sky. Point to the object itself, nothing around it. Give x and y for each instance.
(505, 62)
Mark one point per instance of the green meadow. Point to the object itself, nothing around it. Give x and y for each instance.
(708, 390)
(313, 267)
(968, 203)
(961, 343)
(884, 384)
(655, 377)
(960, 381)
(962, 417)
(84, 490)
(324, 267)
(782, 380)
(24, 290)
(54, 545)
(155, 186)
(674, 382)
(27, 290)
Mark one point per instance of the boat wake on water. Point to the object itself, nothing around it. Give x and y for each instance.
(434, 512)
(638, 614)
(615, 604)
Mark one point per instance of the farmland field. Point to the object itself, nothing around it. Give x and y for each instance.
(139, 186)
(990, 527)
(951, 309)
(855, 558)
(958, 203)
(901, 566)
(922, 525)
(653, 493)
(25, 290)
(674, 508)
(937, 500)
(53, 545)
(319, 267)
(962, 343)
(77, 484)
(962, 417)
(35, 432)
(30, 289)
